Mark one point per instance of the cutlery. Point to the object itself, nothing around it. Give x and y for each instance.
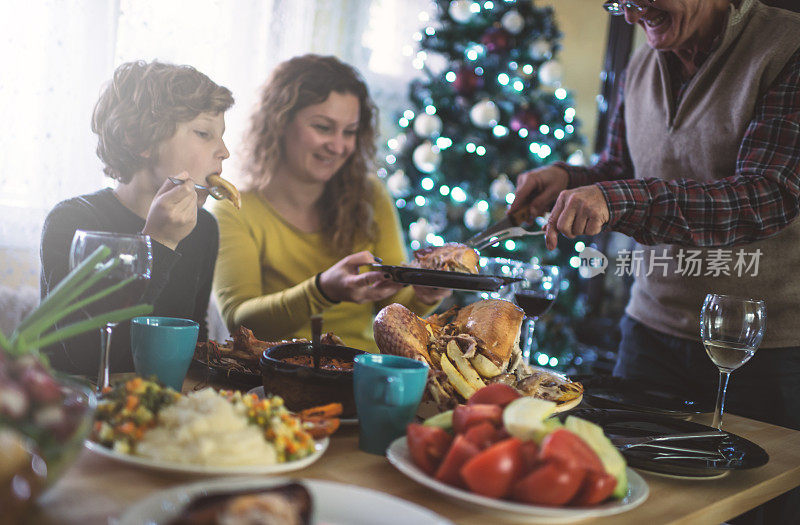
(625, 443)
(214, 191)
(509, 227)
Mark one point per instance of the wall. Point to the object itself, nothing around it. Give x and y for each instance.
(584, 24)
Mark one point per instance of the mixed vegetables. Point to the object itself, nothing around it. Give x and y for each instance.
(282, 429)
(501, 445)
(127, 411)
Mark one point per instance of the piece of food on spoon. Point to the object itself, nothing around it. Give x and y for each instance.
(451, 257)
(230, 191)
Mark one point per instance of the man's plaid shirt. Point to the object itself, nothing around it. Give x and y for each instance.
(760, 198)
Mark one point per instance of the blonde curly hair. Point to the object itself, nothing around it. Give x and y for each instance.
(345, 208)
(143, 105)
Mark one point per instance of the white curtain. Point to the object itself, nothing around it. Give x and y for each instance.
(56, 56)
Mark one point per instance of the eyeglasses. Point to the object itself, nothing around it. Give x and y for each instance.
(616, 8)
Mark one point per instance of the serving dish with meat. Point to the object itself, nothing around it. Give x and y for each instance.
(467, 349)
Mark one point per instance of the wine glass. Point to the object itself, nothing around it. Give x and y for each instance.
(732, 329)
(535, 294)
(135, 257)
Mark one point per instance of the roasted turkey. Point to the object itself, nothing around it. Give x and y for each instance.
(452, 257)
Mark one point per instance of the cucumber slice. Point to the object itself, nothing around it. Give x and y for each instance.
(527, 418)
(443, 421)
(611, 458)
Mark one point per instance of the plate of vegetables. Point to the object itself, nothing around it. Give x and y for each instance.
(504, 452)
(223, 433)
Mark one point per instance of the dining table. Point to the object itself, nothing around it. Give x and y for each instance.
(98, 489)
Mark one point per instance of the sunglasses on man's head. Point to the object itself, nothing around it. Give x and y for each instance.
(618, 8)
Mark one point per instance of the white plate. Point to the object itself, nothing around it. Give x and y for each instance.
(333, 503)
(637, 492)
(259, 392)
(209, 470)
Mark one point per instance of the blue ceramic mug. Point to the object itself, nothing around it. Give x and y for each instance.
(163, 347)
(388, 389)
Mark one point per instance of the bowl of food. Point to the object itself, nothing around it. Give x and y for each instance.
(288, 371)
(44, 419)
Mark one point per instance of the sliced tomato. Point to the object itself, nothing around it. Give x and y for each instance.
(482, 435)
(596, 487)
(530, 456)
(461, 451)
(494, 394)
(552, 483)
(427, 446)
(465, 416)
(492, 472)
(570, 449)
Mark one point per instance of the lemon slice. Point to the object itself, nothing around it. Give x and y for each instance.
(525, 417)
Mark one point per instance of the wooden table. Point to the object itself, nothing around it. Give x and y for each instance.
(96, 488)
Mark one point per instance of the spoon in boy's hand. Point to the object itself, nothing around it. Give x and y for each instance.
(214, 191)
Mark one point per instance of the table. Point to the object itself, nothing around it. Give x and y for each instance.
(96, 488)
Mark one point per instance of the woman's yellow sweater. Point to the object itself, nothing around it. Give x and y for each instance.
(264, 278)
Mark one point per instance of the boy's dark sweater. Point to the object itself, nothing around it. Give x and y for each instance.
(180, 284)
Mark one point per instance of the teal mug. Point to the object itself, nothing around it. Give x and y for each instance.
(388, 389)
(163, 347)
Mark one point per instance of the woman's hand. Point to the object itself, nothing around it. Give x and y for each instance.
(538, 189)
(580, 211)
(429, 295)
(342, 282)
(173, 213)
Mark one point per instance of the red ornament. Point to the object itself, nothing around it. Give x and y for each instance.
(497, 39)
(526, 118)
(467, 81)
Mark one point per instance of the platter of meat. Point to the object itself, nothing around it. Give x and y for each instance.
(452, 266)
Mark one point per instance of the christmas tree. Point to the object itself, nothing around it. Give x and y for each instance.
(490, 105)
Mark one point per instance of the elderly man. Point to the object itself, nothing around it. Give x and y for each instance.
(704, 152)
(703, 159)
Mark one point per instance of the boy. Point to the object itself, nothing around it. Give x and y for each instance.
(153, 121)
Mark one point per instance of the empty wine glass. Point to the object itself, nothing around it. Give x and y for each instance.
(135, 257)
(732, 329)
(535, 294)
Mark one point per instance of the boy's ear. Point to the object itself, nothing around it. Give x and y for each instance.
(146, 154)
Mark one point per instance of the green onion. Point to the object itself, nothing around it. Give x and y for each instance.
(61, 302)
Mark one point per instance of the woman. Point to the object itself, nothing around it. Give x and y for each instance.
(311, 215)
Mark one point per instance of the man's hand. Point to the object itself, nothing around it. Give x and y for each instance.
(580, 211)
(538, 189)
(342, 282)
(173, 213)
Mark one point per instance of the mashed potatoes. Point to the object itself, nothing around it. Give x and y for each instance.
(202, 428)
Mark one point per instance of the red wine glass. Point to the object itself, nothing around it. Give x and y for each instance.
(135, 257)
(535, 294)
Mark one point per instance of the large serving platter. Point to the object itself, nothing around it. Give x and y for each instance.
(471, 282)
(209, 470)
(333, 503)
(399, 456)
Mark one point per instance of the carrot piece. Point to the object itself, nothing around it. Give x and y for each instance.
(131, 402)
(329, 410)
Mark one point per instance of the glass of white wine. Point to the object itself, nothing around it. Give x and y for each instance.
(732, 329)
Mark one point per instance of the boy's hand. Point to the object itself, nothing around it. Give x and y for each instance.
(173, 213)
